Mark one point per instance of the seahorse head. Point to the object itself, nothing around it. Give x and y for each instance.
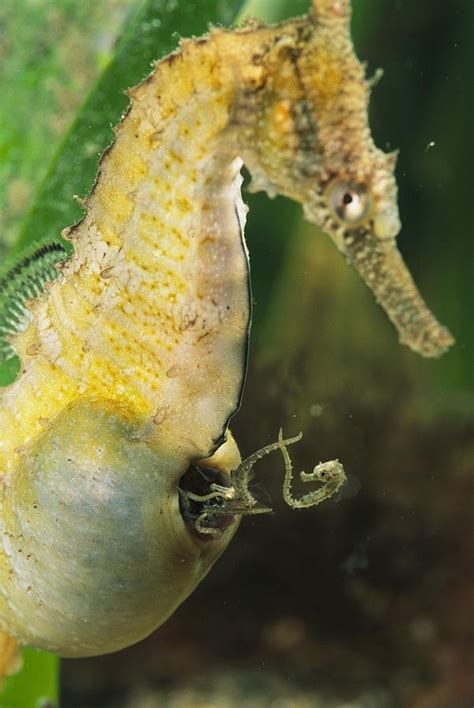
(305, 118)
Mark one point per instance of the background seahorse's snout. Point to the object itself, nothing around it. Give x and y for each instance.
(381, 266)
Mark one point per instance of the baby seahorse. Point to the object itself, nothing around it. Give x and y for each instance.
(120, 483)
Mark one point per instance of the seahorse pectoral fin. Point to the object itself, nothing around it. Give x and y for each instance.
(10, 656)
(381, 266)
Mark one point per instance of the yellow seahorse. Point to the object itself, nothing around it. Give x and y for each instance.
(120, 483)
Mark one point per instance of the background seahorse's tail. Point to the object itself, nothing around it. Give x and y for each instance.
(10, 657)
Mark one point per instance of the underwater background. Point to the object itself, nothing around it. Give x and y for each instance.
(366, 602)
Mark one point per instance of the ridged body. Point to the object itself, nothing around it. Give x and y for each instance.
(149, 322)
(134, 359)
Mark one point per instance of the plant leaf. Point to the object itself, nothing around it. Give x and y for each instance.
(153, 32)
(35, 685)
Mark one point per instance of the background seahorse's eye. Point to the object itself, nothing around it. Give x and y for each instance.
(350, 202)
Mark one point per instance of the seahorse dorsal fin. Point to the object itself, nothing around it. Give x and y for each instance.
(23, 281)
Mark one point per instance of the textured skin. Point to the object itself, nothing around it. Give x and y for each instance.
(149, 321)
(156, 294)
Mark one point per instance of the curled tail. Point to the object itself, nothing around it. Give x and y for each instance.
(10, 656)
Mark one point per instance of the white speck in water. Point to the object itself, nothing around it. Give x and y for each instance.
(423, 630)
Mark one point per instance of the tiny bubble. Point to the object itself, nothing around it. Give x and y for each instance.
(316, 410)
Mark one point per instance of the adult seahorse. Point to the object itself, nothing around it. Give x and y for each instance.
(120, 481)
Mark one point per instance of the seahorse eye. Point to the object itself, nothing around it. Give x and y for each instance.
(350, 202)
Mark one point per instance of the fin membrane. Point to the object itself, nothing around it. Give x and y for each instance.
(23, 281)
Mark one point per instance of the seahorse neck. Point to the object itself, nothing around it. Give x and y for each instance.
(153, 309)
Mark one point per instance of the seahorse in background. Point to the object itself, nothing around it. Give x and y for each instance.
(120, 482)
